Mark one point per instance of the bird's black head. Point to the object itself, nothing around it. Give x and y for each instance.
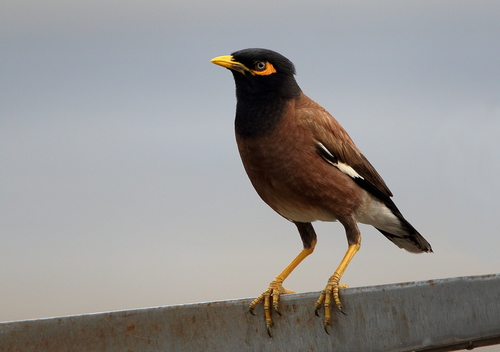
(261, 74)
(265, 83)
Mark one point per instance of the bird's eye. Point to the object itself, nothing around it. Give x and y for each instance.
(260, 65)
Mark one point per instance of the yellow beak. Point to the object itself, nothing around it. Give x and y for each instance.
(228, 61)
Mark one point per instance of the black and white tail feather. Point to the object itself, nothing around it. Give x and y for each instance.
(385, 216)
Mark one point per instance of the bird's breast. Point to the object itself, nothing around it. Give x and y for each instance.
(290, 176)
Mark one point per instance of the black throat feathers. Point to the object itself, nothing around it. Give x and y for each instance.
(258, 118)
(259, 111)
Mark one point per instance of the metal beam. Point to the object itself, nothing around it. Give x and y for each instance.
(435, 315)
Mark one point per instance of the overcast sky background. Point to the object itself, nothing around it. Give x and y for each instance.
(120, 182)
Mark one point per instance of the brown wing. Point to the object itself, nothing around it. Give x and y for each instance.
(332, 135)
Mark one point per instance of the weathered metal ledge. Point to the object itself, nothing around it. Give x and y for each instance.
(435, 315)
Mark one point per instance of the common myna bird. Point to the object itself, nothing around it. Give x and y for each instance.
(304, 165)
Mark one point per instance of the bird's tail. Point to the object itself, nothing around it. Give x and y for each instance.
(411, 239)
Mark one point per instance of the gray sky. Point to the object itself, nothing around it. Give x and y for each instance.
(120, 183)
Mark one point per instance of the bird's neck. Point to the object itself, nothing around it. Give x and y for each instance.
(258, 113)
(258, 117)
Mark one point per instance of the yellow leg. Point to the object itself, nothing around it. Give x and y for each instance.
(276, 288)
(332, 288)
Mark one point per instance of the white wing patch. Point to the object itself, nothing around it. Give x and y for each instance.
(346, 169)
(325, 149)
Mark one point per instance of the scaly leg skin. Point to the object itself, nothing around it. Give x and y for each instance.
(332, 288)
(275, 289)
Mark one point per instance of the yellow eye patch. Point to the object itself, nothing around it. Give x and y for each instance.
(263, 68)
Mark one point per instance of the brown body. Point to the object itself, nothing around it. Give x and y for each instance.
(289, 174)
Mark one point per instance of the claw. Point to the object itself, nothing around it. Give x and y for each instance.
(274, 290)
(269, 330)
(325, 300)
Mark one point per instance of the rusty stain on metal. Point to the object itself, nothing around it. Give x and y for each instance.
(433, 315)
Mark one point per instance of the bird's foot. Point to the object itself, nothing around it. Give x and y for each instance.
(325, 299)
(274, 290)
